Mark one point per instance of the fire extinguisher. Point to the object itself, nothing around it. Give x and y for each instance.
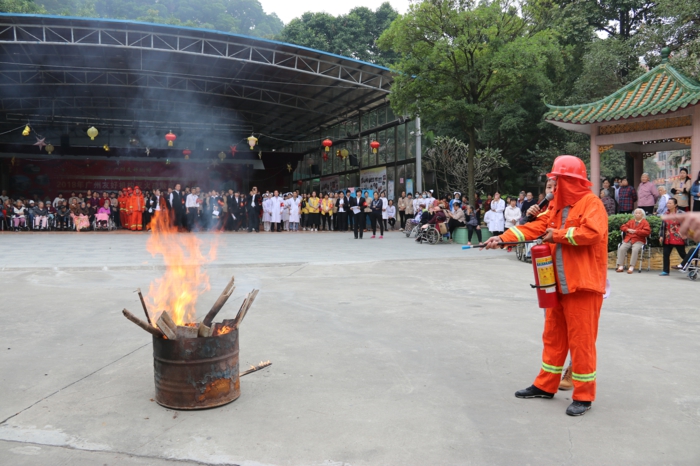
(545, 279)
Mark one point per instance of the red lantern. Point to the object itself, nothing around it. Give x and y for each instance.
(300, 182)
(170, 137)
(187, 153)
(374, 145)
(327, 144)
(325, 156)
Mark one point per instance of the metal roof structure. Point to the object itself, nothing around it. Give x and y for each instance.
(124, 74)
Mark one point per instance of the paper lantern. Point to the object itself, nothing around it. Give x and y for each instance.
(170, 137)
(106, 147)
(222, 156)
(187, 153)
(26, 131)
(92, 132)
(49, 148)
(344, 153)
(327, 143)
(252, 141)
(374, 145)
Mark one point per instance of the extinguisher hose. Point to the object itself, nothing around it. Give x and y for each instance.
(543, 286)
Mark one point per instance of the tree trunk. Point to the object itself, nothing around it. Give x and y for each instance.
(470, 166)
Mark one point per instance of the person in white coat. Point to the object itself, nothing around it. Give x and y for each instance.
(385, 215)
(512, 214)
(276, 204)
(266, 212)
(498, 206)
(294, 204)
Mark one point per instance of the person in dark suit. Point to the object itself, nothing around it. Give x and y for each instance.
(232, 204)
(355, 202)
(178, 206)
(341, 205)
(254, 207)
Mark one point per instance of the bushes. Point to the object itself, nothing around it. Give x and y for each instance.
(615, 235)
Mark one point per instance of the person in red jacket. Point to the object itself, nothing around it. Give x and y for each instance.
(576, 227)
(636, 231)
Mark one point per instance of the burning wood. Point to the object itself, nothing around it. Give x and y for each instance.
(167, 326)
(187, 331)
(147, 327)
(219, 303)
(143, 303)
(204, 331)
(252, 369)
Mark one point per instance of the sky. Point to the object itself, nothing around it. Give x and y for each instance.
(287, 10)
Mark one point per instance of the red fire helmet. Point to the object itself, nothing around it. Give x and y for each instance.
(569, 165)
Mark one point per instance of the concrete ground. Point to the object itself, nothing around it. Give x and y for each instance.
(384, 352)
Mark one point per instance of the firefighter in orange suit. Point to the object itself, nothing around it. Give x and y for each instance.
(576, 227)
(136, 206)
(122, 199)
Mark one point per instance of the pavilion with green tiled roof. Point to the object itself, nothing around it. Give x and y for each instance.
(658, 111)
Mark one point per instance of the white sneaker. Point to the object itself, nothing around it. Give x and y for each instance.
(315, 229)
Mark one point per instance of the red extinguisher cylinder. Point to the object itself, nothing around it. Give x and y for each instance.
(545, 278)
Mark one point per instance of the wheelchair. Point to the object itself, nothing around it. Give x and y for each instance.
(693, 265)
(412, 228)
(646, 251)
(433, 234)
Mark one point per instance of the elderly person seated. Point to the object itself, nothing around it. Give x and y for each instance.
(635, 232)
(456, 216)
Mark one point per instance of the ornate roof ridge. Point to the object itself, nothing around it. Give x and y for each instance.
(659, 90)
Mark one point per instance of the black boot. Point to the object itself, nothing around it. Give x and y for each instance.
(533, 392)
(578, 408)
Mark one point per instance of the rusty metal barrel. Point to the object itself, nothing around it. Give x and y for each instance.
(196, 373)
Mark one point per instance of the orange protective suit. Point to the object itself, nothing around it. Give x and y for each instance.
(136, 206)
(123, 217)
(580, 253)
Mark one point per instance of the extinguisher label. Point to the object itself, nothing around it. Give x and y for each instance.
(545, 273)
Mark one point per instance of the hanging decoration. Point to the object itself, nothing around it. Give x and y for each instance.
(374, 145)
(234, 149)
(252, 141)
(26, 131)
(106, 147)
(222, 155)
(300, 182)
(49, 148)
(260, 154)
(40, 143)
(327, 143)
(148, 151)
(325, 156)
(167, 161)
(289, 167)
(170, 137)
(92, 132)
(187, 153)
(344, 153)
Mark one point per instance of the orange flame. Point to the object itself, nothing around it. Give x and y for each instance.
(223, 330)
(184, 280)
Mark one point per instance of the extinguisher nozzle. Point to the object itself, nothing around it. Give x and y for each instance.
(466, 247)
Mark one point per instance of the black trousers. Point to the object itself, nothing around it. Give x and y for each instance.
(191, 217)
(358, 221)
(326, 222)
(472, 229)
(342, 221)
(253, 220)
(402, 218)
(453, 224)
(377, 218)
(647, 209)
(668, 248)
(178, 215)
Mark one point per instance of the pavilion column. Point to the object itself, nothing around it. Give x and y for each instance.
(638, 169)
(595, 160)
(695, 144)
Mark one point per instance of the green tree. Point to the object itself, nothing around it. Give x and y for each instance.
(20, 6)
(461, 61)
(352, 35)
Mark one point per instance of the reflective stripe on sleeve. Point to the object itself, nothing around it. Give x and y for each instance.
(552, 369)
(583, 377)
(570, 236)
(517, 233)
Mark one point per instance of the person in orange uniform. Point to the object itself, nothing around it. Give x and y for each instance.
(122, 199)
(136, 206)
(576, 227)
